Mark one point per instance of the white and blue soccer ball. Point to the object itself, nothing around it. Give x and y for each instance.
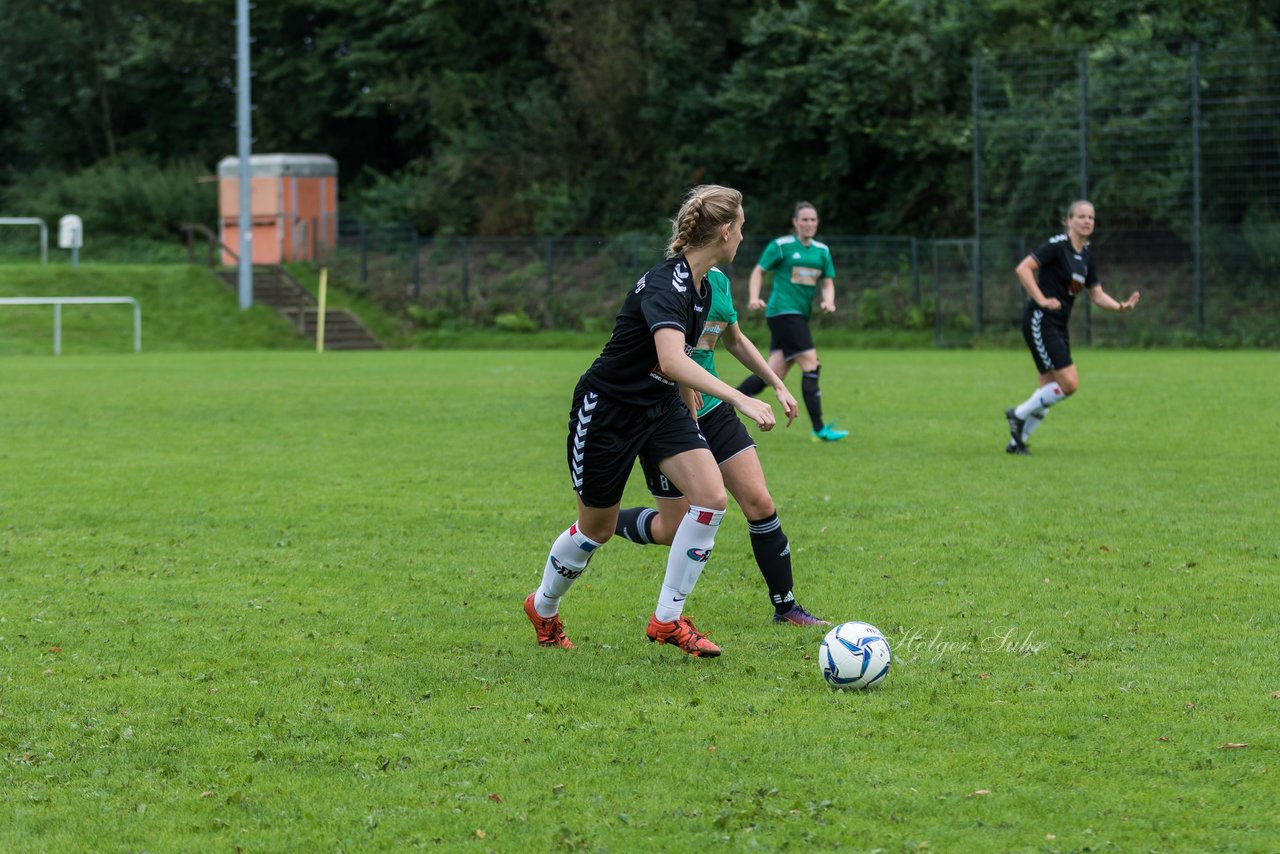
(854, 655)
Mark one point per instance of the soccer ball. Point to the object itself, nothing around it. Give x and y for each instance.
(854, 655)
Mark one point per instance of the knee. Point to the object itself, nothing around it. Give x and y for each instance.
(1069, 385)
(710, 498)
(597, 533)
(755, 503)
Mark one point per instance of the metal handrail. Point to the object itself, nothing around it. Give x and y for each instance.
(191, 229)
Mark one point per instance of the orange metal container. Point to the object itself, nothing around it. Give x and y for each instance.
(293, 204)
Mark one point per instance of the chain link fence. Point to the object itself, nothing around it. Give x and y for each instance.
(579, 282)
(1177, 146)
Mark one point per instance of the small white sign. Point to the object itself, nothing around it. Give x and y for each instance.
(70, 232)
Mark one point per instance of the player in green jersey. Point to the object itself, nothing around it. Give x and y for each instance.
(801, 267)
(739, 463)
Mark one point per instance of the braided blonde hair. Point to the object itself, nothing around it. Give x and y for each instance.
(705, 209)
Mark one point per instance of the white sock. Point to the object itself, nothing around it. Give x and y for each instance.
(569, 556)
(1032, 422)
(689, 553)
(1044, 397)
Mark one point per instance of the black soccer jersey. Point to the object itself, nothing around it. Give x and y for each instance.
(1064, 272)
(666, 296)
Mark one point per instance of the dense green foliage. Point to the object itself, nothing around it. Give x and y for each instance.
(550, 116)
(271, 602)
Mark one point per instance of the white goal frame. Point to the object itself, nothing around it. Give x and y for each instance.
(59, 302)
(36, 221)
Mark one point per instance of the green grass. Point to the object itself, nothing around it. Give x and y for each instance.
(184, 308)
(271, 601)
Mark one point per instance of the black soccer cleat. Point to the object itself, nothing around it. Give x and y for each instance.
(1017, 448)
(1016, 425)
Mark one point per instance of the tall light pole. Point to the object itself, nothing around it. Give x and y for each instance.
(244, 150)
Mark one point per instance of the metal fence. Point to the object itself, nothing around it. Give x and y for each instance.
(579, 282)
(1178, 146)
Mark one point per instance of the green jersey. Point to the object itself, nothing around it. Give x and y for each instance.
(720, 316)
(797, 271)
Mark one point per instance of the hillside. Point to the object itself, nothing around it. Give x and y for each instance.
(184, 308)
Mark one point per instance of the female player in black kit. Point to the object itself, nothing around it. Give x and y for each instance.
(628, 405)
(1065, 265)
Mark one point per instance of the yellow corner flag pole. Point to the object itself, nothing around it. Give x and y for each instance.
(324, 289)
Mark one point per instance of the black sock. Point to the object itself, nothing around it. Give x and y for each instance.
(812, 397)
(636, 524)
(751, 386)
(773, 556)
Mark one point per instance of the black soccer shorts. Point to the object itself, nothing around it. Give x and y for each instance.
(790, 334)
(1047, 337)
(606, 436)
(727, 437)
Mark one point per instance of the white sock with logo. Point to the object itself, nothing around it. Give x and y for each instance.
(1032, 422)
(1044, 397)
(569, 557)
(689, 552)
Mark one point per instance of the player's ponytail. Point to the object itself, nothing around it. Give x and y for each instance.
(705, 209)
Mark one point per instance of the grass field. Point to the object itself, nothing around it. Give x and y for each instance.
(271, 601)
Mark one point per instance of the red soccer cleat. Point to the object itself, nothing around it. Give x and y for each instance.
(550, 629)
(683, 634)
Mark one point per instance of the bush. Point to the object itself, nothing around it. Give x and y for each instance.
(128, 197)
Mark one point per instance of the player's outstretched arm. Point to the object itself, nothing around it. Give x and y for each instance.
(677, 366)
(742, 349)
(1102, 299)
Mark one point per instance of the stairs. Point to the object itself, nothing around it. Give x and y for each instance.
(273, 286)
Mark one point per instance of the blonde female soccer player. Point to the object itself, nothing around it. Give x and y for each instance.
(628, 405)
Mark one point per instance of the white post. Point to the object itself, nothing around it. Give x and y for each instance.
(57, 329)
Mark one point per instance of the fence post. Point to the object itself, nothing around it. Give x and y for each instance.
(915, 268)
(1197, 223)
(937, 299)
(550, 264)
(1084, 168)
(364, 254)
(977, 198)
(416, 268)
(466, 273)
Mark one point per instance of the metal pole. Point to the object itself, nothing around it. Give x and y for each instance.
(551, 259)
(364, 254)
(417, 267)
(915, 268)
(937, 300)
(1197, 244)
(977, 199)
(466, 269)
(1084, 167)
(1084, 126)
(44, 243)
(57, 329)
(244, 149)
